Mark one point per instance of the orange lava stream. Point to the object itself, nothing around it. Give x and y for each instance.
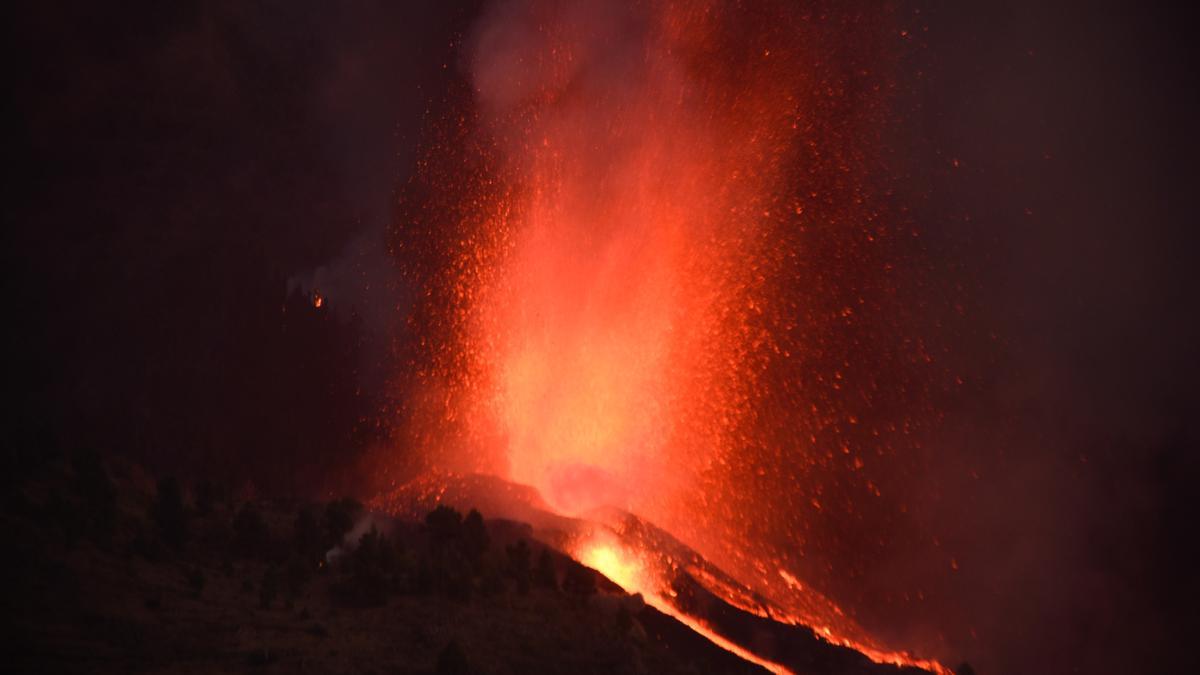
(623, 569)
(656, 601)
(636, 575)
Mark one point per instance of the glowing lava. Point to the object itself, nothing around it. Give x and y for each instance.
(624, 568)
(612, 562)
(656, 275)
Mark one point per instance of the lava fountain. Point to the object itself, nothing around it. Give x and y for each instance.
(659, 271)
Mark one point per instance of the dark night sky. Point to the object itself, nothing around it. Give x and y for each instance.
(179, 168)
(182, 168)
(1075, 137)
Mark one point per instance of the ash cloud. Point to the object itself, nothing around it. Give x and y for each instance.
(508, 59)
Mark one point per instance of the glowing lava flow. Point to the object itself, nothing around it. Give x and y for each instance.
(623, 568)
(640, 558)
(655, 274)
(612, 562)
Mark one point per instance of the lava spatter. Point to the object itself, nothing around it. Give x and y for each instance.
(659, 270)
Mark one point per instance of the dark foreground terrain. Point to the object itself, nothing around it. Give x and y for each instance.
(115, 570)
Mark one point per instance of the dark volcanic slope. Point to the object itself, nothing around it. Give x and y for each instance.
(93, 594)
(118, 572)
(693, 579)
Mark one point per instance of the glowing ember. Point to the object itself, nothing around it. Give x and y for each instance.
(656, 277)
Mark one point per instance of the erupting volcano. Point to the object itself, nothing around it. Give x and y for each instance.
(663, 272)
(685, 337)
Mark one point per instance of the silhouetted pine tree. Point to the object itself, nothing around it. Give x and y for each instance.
(340, 516)
(475, 540)
(545, 576)
(519, 557)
